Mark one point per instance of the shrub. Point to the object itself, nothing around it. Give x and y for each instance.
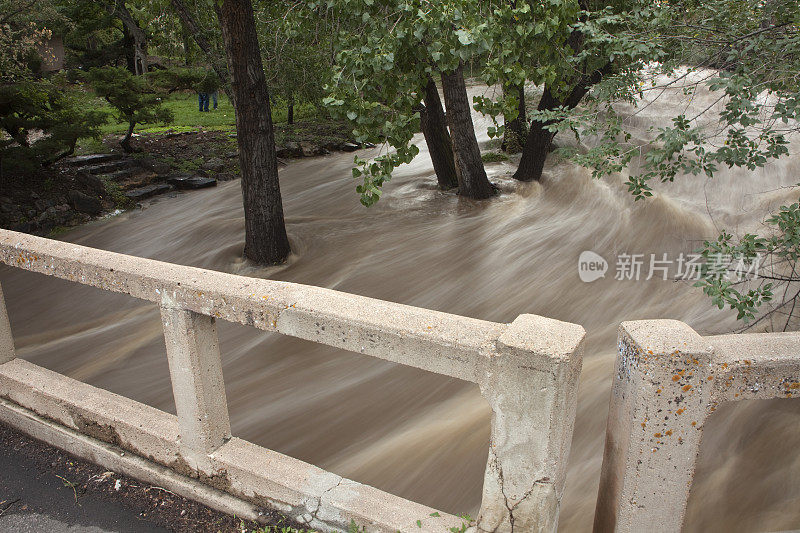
(42, 121)
(134, 98)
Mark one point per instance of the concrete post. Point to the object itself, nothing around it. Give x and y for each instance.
(531, 384)
(659, 401)
(6, 338)
(195, 367)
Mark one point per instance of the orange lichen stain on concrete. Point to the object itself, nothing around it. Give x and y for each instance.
(668, 433)
(657, 435)
(680, 440)
(710, 378)
(736, 395)
(686, 388)
(658, 391)
(694, 423)
(643, 425)
(724, 365)
(676, 377)
(680, 411)
(747, 362)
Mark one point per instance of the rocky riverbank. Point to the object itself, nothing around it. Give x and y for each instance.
(81, 188)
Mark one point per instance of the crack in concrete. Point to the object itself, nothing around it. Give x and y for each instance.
(501, 478)
(319, 500)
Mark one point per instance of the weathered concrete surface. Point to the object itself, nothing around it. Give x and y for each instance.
(531, 385)
(755, 366)
(104, 415)
(668, 381)
(439, 342)
(239, 478)
(528, 372)
(195, 368)
(6, 338)
(312, 496)
(118, 460)
(59, 408)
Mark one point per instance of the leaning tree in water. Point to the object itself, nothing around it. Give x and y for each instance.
(385, 83)
(393, 51)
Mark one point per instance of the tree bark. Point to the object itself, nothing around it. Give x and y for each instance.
(540, 140)
(290, 110)
(129, 48)
(472, 180)
(265, 233)
(538, 143)
(133, 33)
(126, 141)
(434, 129)
(516, 130)
(187, 45)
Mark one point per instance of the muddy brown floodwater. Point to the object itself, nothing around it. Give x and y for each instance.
(406, 431)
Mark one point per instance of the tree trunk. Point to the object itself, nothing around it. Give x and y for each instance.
(133, 34)
(472, 180)
(187, 45)
(265, 233)
(129, 48)
(540, 140)
(440, 146)
(516, 130)
(290, 110)
(126, 141)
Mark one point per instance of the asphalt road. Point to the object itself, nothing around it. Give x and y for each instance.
(33, 498)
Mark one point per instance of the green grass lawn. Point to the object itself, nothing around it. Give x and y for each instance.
(187, 116)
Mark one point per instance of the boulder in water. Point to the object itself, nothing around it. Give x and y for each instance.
(349, 147)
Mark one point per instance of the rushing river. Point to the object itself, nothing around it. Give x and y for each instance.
(406, 431)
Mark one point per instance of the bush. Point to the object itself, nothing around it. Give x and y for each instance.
(135, 99)
(43, 120)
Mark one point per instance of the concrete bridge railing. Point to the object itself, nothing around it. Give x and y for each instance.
(668, 381)
(527, 371)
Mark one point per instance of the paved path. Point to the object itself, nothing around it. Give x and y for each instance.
(34, 499)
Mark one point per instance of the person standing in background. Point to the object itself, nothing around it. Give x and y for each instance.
(207, 89)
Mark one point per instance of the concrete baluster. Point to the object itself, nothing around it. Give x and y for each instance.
(659, 401)
(6, 338)
(195, 367)
(531, 384)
